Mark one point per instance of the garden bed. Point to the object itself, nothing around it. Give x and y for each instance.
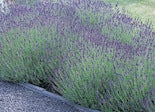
(89, 52)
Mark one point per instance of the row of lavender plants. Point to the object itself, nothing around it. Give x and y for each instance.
(85, 50)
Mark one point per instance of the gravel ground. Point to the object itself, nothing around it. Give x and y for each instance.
(14, 98)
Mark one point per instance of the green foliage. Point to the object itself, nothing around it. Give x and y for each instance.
(95, 83)
(24, 55)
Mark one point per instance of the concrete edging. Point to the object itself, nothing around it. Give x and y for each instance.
(55, 96)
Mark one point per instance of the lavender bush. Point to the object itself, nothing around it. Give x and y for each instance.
(25, 55)
(85, 50)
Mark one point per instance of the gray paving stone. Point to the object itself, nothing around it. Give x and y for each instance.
(14, 98)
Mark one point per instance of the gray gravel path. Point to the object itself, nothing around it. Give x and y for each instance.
(14, 98)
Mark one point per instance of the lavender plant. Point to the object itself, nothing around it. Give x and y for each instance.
(86, 51)
(25, 55)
